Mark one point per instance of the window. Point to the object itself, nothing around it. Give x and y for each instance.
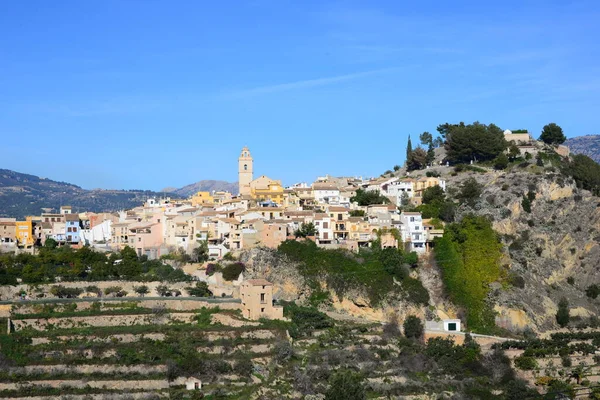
(245, 167)
(262, 310)
(452, 326)
(325, 225)
(412, 219)
(262, 298)
(139, 239)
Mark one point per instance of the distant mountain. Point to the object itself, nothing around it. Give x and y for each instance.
(23, 194)
(588, 145)
(205, 186)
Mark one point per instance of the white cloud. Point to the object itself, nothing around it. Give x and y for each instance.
(305, 84)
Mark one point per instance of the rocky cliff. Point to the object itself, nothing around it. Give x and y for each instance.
(550, 252)
(290, 285)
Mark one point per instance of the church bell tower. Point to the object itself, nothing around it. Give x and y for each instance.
(245, 171)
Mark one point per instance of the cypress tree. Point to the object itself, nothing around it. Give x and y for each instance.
(408, 148)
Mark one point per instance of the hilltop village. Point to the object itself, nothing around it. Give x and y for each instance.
(263, 213)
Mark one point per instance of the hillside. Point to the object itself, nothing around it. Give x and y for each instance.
(548, 228)
(23, 194)
(588, 145)
(204, 186)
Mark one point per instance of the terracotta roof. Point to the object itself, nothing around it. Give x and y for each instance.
(298, 213)
(259, 282)
(71, 217)
(8, 223)
(230, 220)
(411, 213)
(325, 186)
(338, 209)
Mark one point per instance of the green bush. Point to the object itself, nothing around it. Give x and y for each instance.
(372, 270)
(470, 191)
(592, 291)
(501, 162)
(413, 327)
(562, 315)
(200, 290)
(305, 319)
(232, 271)
(345, 385)
(526, 363)
(64, 292)
(368, 197)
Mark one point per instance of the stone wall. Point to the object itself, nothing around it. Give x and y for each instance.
(155, 384)
(42, 324)
(167, 304)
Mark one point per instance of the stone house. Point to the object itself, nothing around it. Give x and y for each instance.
(257, 300)
(8, 231)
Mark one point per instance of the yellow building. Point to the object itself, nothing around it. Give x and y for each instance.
(265, 188)
(201, 198)
(24, 233)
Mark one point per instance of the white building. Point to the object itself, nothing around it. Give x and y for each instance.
(101, 233)
(326, 193)
(324, 225)
(400, 189)
(413, 234)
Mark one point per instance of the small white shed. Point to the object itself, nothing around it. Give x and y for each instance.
(451, 325)
(192, 383)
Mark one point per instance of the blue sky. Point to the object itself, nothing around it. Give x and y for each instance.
(147, 94)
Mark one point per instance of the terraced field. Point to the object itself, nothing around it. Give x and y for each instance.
(123, 350)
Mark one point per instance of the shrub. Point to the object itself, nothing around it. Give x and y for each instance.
(415, 291)
(501, 162)
(433, 174)
(65, 292)
(391, 329)
(470, 191)
(526, 363)
(212, 268)
(592, 291)
(141, 290)
(283, 351)
(305, 319)
(571, 280)
(562, 315)
(516, 280)
(413, 327)
(243, 367)
(114, 290)
(357, 213)
(233, 271)
(526, 203)
(163, 290)
(368, 197)
(200, 290)
(345, 385)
